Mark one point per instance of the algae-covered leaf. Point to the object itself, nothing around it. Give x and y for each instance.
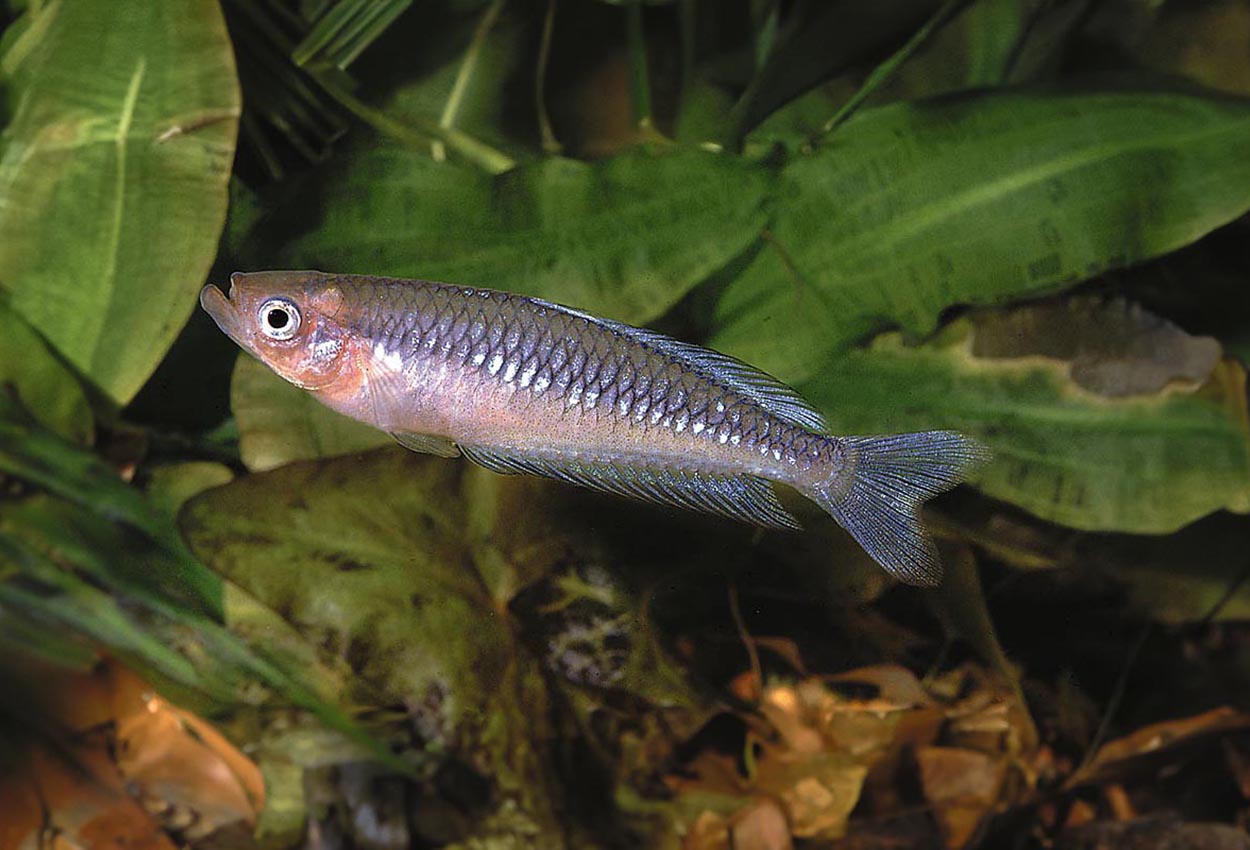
(369, 559)
(366, 555)
(113, 172)
(1070, 444)
(911, 208)
(279, 422)
(447, 590)
(625, 237)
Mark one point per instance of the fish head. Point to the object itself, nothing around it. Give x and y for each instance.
(289, 321)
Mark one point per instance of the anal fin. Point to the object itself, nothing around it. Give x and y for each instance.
(742, 497)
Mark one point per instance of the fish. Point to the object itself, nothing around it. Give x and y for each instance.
(520, 385)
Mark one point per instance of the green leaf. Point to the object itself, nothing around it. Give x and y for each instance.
(1080, 445)
(625, 237)
(368, 553)
(172, 484)
(369, 559)
(278, 422)
(113, 176)
(448, 589)
(912, 208)
(42, 382)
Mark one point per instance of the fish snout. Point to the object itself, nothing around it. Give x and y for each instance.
(224, 312)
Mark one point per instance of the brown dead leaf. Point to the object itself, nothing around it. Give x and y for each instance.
(125, 755)
(710, 831)
(1111, 348)
(828, 745)
(1123, 754)
(896, 688)
(762, 826)
(1237, 755)
(1154, 833)
(1080, 812)
(84, 804)
(963, 786)
(818, 790)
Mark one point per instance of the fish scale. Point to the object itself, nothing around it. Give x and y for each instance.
(524, 386)
(583, 362)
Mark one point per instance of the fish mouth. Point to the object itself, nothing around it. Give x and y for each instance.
(224, 312)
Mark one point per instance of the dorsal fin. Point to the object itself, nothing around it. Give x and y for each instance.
(771, 394)
(742, 497)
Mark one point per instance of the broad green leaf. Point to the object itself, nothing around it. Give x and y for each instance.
(369, 558)
(368, 553)
(113, 174)
(912, 208)
(625, 237)
(172, 484)
(1083, 445)
(278, 422)
(44, 384)
(449, 589)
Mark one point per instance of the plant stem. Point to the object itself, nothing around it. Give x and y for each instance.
(887, 68)
(551, 145)
(467, 66)
(422, 132)
(639, 84)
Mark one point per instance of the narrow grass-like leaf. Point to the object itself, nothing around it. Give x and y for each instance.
(345, 29)
(886, 69)
(916, 207)
(113, 176)
(91, 558)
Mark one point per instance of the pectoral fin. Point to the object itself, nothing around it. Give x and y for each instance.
(426, 444)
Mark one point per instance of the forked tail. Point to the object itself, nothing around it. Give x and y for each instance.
(877, 495)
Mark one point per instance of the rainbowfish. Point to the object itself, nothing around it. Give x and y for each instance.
(521, 385)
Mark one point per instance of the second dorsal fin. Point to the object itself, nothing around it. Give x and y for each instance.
(777, 398)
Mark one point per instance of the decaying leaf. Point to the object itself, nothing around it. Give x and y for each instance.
(830, 746)
(1141, 463)
(1115, 758)
(1112, 348)
(127, 769)
(962, 786)
(1154, 833)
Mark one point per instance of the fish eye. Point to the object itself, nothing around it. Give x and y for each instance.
(279, 318)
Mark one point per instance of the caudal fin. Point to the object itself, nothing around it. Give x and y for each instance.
(878, 494)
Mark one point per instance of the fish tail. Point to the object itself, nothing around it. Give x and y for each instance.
(877, 493)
